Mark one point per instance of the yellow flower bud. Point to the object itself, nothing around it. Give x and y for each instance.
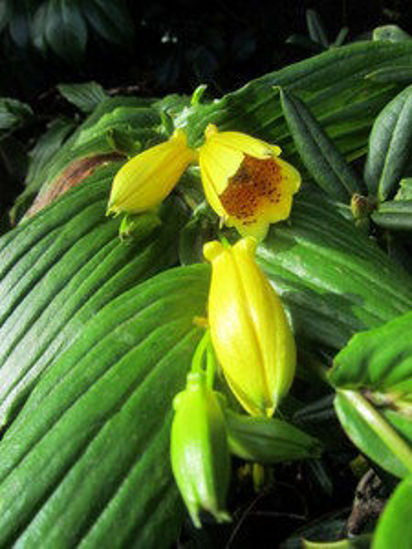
(245, 181)
(199, 449)
(249, 329)
(148, 178)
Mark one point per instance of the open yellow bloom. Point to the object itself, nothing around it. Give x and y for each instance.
(245, 181)
(148, 178)
(249, 330)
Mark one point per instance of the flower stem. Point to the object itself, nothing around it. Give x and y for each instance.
(199, 353)
(382, 428)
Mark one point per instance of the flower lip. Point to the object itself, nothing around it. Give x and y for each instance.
(245, 182)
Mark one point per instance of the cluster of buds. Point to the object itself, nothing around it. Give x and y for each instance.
(256, 351)
(249, 187)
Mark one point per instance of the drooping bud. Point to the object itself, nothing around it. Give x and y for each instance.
(249, 329)
(148, 178)
(199, 449)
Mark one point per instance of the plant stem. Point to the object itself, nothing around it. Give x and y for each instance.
(383, 429)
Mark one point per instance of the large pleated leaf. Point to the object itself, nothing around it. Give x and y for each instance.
(90, 447)
(333, 86)
(334, 280)
(60, 268)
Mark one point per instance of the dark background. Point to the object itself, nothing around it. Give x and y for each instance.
(174, 46)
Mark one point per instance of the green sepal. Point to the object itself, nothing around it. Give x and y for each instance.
(199, 449)
(268, 440)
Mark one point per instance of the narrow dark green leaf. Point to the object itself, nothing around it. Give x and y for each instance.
(85, 96)
(60, 268)
(394, 527)
(315, 27)
(269, 440)
(91, 444)
(395, 215)
(13, 113)
(319, 154)
(390, 146)
(341, 37)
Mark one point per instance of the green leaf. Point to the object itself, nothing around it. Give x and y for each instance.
(325, 163)
(60, 268)
(390, 146)
(65, 29)
(395, 215)
(110, 19)
(13, 113)
(405, 189)
(315, 27)
(382, 435)
(378, 360)
(333, 86)
(391, 75)
(334, 280)
(133, 115)
(268, 440)
(393, 33)
(394, 527)
(85, 96)
(46, 147)
(91, 444)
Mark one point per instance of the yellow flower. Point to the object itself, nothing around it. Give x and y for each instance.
(245, 181)
(148, 178)
(249, 330)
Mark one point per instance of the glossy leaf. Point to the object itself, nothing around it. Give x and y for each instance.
(13, 113)
(269, 440)
(378, 360)
(390, 146)
(382, 435)
(395, 215)
(65, 29)
(85, 96)
(91, 444)
(394, 527)
(59, 269)
(332, 85)
(334, 280)
(323, 160)
(315, 27)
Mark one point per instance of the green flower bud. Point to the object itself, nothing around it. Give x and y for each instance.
(199, 449)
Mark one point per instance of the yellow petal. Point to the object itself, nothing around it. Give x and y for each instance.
(249, 329)
(245, 182)
(148, 178)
